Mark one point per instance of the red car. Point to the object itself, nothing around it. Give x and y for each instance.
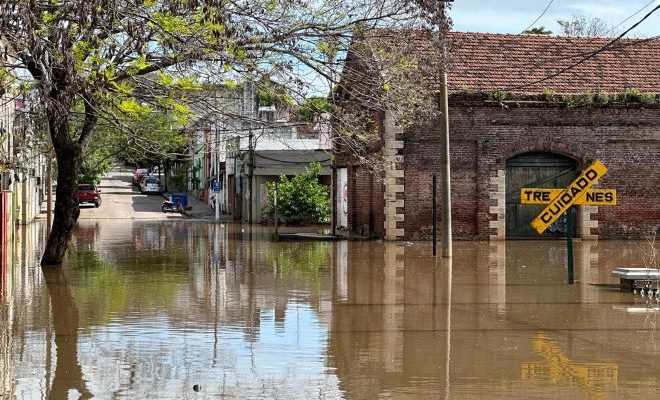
(139, 173)
(88, 193)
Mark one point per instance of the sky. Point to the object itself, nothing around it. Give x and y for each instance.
(513, 16)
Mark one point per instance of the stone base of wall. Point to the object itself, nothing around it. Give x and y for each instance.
(587, 225)
(497, 196)
(394, 181)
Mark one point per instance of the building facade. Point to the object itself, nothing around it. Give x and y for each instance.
(525, 111)
(243, 144)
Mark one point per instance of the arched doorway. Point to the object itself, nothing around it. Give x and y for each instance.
(534, 170)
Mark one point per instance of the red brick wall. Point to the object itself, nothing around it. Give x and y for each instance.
(365, 201)
(484, 136)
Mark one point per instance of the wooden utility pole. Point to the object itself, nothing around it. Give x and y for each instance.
(445, 168)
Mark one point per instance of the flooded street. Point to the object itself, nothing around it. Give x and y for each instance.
(193, 310)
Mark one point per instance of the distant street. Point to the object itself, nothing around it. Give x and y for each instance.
(121, 200)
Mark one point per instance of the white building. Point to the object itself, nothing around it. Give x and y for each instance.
(242, 146)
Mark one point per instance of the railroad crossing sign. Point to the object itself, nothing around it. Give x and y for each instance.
(568, 196)
(592, 197)
(560, 200)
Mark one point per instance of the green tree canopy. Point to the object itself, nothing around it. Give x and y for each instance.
(540, 30)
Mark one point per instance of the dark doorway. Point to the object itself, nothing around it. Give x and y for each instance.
(534, 170)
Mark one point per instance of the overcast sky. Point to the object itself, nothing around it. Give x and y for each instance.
(513, 16)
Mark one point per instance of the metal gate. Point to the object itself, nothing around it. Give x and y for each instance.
(537, 170)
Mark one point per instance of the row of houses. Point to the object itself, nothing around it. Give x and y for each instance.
(22, 160)
(239, 144)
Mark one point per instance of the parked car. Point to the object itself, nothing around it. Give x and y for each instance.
(150, 184)
(137, 176)
(89, 193)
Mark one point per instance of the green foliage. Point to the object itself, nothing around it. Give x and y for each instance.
(313, 106)
(271, 93)
(537, 31)
(177, 182)
(301, 197)
(93, 169)
(463, 89)
(499, 95)
(601, 98)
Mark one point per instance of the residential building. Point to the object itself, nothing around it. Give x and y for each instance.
(243, 144)
(7, 113)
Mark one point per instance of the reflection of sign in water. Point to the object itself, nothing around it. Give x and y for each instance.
(573, 192)
(557, 367)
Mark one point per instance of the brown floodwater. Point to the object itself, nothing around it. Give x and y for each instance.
(190, 310)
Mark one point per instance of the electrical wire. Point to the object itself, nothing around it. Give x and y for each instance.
(588, 55)
(625, 20)
(539, 17)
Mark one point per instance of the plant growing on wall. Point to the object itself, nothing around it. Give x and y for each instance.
(302, 197)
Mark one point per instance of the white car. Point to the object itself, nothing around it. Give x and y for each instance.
(150, 184)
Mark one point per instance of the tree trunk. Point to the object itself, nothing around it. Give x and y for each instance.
(69, 158)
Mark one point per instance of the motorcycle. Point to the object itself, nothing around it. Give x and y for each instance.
(170, 206)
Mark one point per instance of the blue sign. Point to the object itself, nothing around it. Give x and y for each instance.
(216, 186)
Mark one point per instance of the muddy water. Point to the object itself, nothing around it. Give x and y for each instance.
(181, 310)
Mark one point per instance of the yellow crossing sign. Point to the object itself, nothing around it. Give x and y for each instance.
(592, 197)
(567, 197)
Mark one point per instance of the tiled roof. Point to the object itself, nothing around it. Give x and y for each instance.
(485, 62)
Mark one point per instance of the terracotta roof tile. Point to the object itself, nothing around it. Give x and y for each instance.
(485, 62)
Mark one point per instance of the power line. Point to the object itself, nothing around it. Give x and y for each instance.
(624, 21)
(539, 17)
(589, 55)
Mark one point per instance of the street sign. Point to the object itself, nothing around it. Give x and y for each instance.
(567, 197)
(592, 197)
(216, 186)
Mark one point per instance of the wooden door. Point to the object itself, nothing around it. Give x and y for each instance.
(534, 170)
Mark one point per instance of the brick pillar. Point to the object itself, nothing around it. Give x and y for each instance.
(394, 181)
(585, 223)
(497, 196)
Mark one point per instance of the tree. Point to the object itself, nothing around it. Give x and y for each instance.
(538, 31)
(121, 59)
(580, 25)
(301, 196)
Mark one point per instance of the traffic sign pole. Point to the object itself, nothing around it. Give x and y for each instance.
(570, 230)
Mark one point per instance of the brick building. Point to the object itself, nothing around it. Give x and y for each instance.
(524, 111)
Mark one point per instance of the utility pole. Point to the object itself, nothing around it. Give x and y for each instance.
(250, 173)
(217, 171)
(445, 168)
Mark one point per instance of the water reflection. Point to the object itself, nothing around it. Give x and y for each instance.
(147, 310)
(557, 367)
(68, 372)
